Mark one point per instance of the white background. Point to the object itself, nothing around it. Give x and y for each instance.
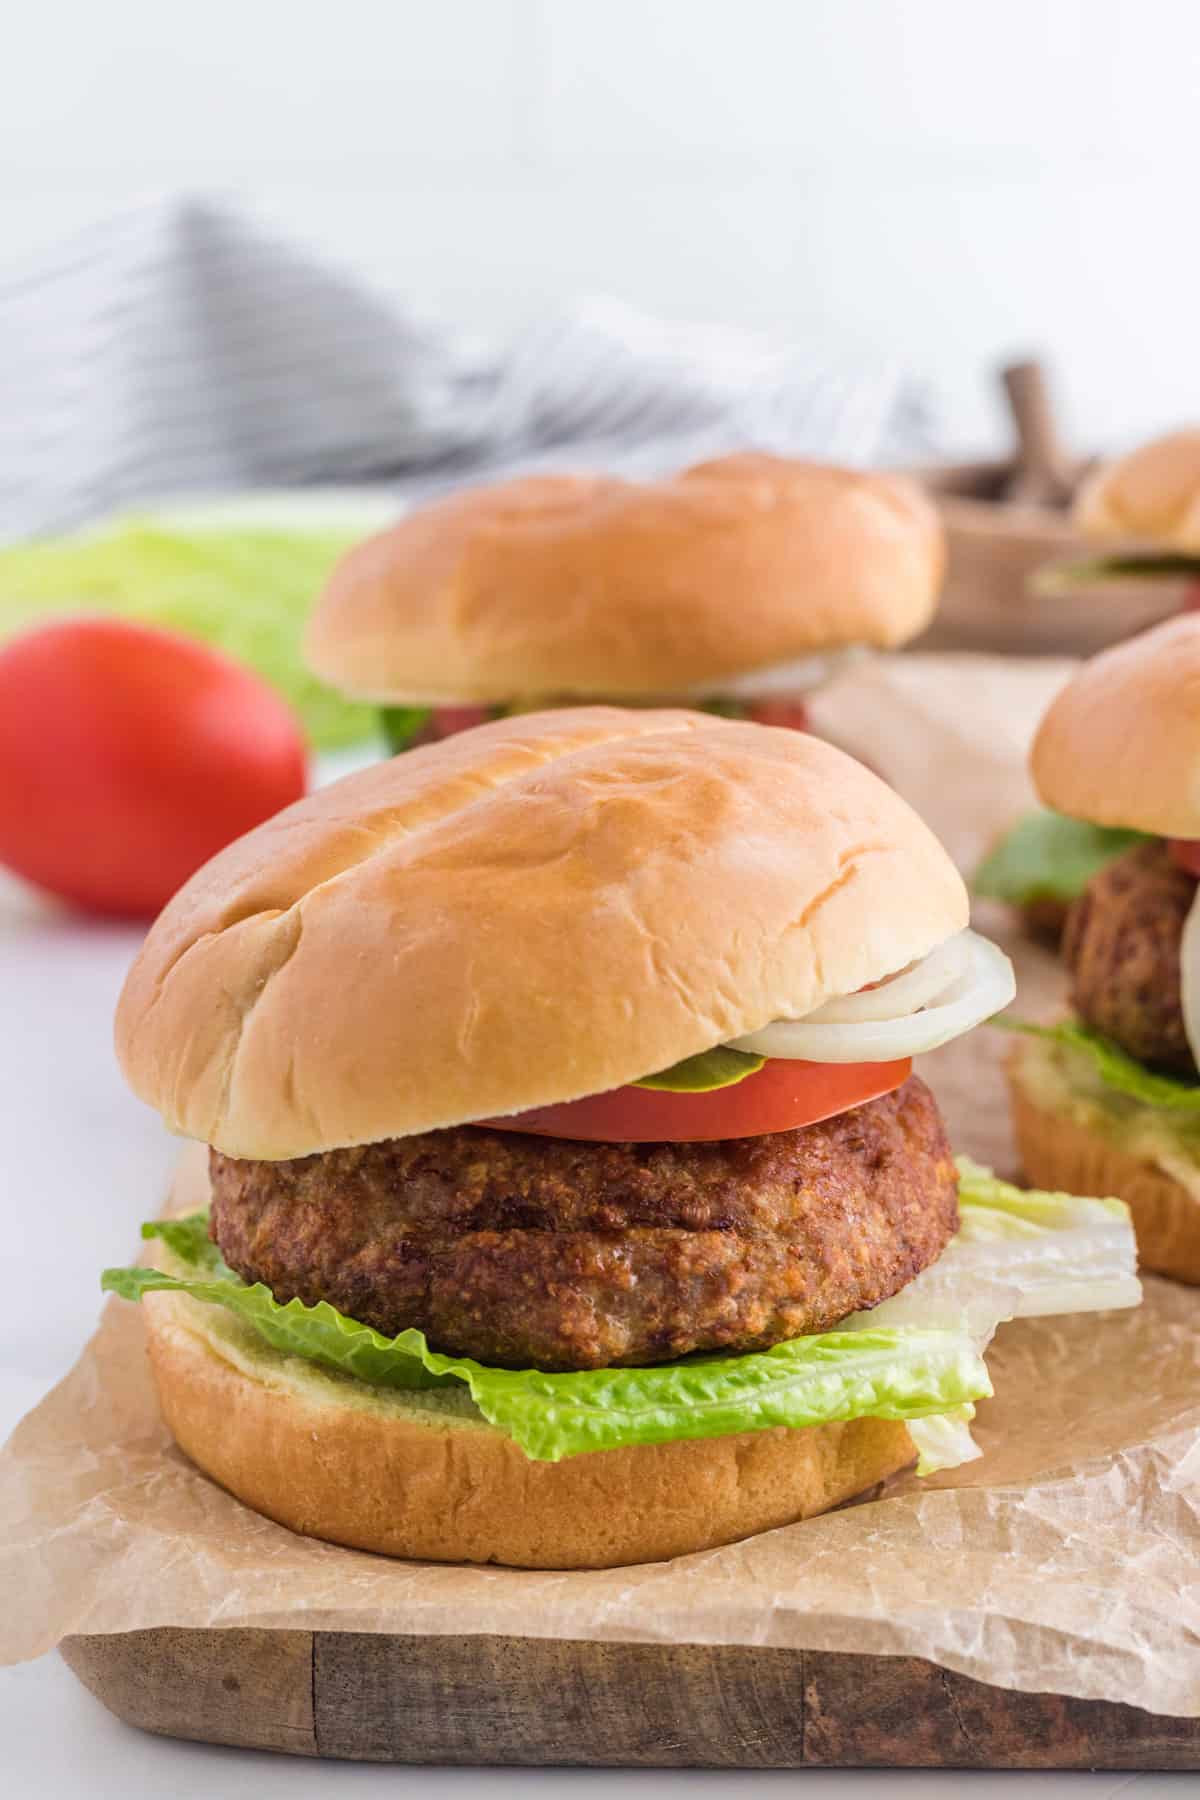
(951, 179)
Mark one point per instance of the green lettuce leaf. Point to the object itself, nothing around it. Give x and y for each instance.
(704, 1073)
(917, 1357)
(1047, 856)
(1018, 1254)
(890, 1374)
(944, 1440)
(246, 589)
(1087, 571)
(992, 1211)
(1115, 1068)
(401, 724)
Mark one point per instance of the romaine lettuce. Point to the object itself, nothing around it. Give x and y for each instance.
(1047, 856)
(1019, 1254)
(1087, 571)
(889, 1374)
(247, 589)
(917, 1357)
(1115, 1068)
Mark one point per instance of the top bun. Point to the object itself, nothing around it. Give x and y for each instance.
(1121, 743)
(568, 586)
(1151, 496)
(546, 907)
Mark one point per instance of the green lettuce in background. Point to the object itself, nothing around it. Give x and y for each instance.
(1116, 1069)
(922, 1362)
(1047, 856)
(246, 589)
(1086, 571)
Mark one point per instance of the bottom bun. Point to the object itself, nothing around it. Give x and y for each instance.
(1064, 1155)
(421, 1474)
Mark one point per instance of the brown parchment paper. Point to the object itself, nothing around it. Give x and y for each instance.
(1066, 1560)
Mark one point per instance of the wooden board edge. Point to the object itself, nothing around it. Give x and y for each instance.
(249, 1688)
(488, 1701)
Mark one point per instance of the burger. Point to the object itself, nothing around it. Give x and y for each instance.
(571, 1198)
(729, 587)
(1110, 1098)
(1142, 512)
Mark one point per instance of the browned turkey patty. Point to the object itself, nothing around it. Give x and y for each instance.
(1121, 945)
(522, 1250)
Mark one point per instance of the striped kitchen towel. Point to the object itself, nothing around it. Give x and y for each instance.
(182, 348)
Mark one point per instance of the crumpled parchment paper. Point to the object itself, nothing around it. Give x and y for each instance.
(1066, 1560)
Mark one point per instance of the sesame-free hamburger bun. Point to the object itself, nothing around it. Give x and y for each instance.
(588, 586)
(1120, 745)
(547, 907)
(1150, 497)
(423, 1474)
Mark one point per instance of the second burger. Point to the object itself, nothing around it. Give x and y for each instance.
(729, 587)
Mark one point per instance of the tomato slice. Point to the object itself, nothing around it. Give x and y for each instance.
(448, 721)
(781, 1096)
(1185, 854)
(1191, 597)
(792, 714)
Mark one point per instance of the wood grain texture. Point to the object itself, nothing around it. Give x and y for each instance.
(535, 1701)
(251, 1688)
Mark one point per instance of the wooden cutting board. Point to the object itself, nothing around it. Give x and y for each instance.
(537, 1701)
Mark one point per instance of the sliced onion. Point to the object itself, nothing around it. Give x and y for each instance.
(985, 987)
(801, 677)
(917, 985)
(1189, 975)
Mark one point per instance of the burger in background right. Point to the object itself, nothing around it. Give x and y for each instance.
(1142, 512)
(1146, 508)
(1108, 1101)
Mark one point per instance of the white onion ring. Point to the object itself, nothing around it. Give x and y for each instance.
(894, 998)
(1189, 975)
(985, 988)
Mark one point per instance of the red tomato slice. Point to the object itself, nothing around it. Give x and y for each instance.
(1191, 597)
(129, 756)
(1185, 854)
(792, 714)
(447, 721)
(781, 1096)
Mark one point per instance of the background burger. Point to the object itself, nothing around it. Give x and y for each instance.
(571, 1197)
(1110, 1100)
(727, 587)
(1143, 514)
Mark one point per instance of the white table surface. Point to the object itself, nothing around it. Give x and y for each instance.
(84, 1163)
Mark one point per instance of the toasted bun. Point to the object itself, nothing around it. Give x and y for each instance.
(423, 1475)
(1121, 743)
(1066, 1157)
(546, 907)
(586, 586)
(1150, 497)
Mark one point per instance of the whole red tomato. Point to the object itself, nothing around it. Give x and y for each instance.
(130, 755)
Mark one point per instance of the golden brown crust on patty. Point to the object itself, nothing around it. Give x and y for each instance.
(522, 1250)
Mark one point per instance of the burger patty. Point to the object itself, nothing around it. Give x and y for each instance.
(1121, 945)
(532, 1251)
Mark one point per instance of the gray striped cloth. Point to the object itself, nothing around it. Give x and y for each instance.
(182, 348)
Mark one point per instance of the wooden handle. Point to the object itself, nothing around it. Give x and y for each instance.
(1043, 472)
